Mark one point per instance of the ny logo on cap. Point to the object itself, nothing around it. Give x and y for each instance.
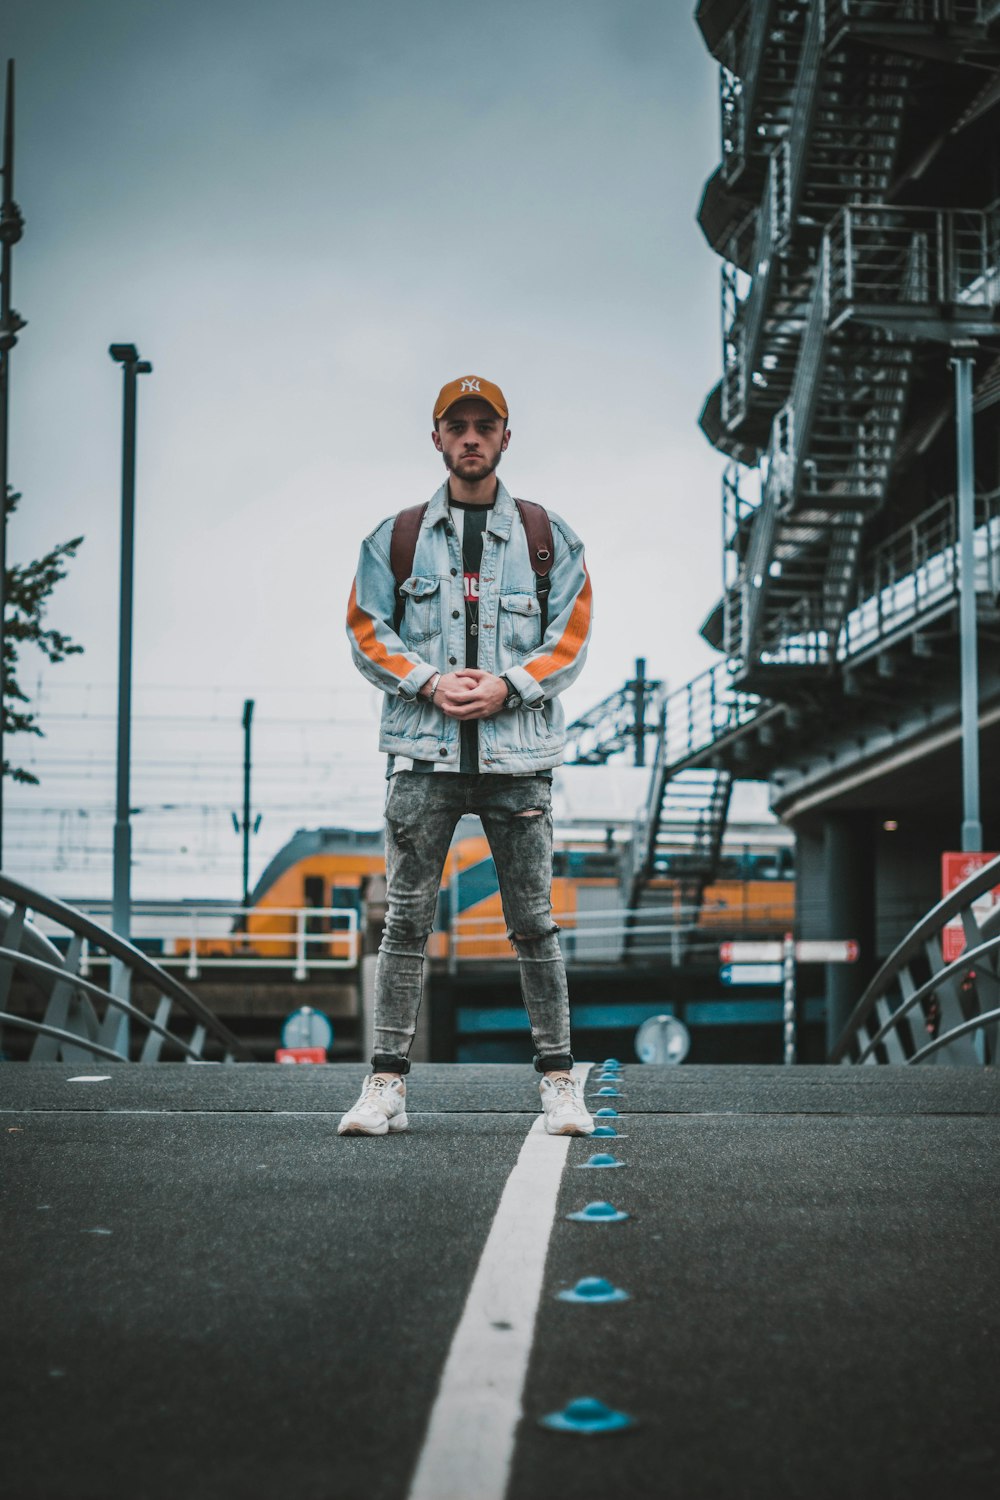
(471, 385)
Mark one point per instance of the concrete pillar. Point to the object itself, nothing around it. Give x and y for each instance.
(849, 910)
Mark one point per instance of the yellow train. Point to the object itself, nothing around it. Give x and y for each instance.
(319, 887)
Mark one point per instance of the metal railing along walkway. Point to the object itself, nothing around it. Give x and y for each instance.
(908, 579)
(83, 1019)
(920, 1007)
(220, 935)
(915, 573)
(902, 267)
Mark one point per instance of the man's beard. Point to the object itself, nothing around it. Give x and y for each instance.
(471, 476)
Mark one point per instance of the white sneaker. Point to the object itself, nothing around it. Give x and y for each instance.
(565, 1113)
(381, 1108)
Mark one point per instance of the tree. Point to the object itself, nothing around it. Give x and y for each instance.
(27, 589)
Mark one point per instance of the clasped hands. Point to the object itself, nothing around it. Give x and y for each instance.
(468, 693)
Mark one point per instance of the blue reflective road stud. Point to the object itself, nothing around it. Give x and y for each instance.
(588, 1417)
(599, 1159)
(605, 1130)
(607, 1112)
(598, 1213)
(594, 1289)
(615, 1093)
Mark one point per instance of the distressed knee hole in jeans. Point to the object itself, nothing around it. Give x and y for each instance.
(532, 812)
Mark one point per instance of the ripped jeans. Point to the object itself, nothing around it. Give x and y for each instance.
(421, 812)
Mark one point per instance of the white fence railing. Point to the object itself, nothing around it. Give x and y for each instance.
(678, 932)
(215, 936)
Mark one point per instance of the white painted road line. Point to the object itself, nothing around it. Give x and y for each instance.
(470, 1436)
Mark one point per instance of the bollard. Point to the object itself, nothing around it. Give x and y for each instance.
(587, 1416)
(594, 1289)
(598, 1213)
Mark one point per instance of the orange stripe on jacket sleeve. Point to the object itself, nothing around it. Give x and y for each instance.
(363, 630)
(571, 640)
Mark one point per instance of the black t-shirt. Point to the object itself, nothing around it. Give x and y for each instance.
(474, 524)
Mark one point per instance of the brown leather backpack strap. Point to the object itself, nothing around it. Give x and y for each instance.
(541, 550)
(405, 530)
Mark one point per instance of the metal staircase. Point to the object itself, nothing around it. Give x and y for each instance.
(678, 834)
(831, 454)
(839, 143)
(759, 66)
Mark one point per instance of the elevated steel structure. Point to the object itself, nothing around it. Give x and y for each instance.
(856, 211)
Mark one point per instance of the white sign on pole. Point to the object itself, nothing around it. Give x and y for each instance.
(823, 951)
(814, 951)
(750, 953)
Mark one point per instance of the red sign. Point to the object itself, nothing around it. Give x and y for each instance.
(300, 1055)
(955, 869)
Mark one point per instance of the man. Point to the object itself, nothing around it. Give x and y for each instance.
(471, 723)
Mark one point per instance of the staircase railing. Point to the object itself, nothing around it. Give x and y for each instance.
(789, 435)
(82, 1018)
(922, 12)
(901, 258)
(917, 995)
(695, 717)
(795, 144)
(739, 88)
(755, 308)
(915, 573)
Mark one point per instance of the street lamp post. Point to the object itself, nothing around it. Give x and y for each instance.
(127, 355)
(11, 229)
(247, 720)
(972, 828)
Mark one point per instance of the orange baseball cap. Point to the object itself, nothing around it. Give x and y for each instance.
(466, 386)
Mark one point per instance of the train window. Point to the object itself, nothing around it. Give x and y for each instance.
(313, 893)
(348, 896)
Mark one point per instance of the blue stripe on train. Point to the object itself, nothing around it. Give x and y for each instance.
(476, 883)
(471, 1020)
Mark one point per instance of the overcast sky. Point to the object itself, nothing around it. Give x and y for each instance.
(309, 216)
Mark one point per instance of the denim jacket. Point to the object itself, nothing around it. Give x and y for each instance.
(431, 636)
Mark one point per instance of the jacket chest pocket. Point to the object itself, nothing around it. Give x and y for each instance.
(520, 623)
(422, 613)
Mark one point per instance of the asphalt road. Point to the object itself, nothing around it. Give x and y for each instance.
(209, 1294)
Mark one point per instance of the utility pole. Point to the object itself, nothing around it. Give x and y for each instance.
(247, 720)
(11, 230)
(246, 827)
(638, 689)
(127, 355)
(972, 828)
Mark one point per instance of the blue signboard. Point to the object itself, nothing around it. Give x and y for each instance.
(307, 1028)
(750, 974)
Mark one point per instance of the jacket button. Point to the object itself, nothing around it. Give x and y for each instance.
(454, 614)
(454, 572)
(453, 661)
(444, 750)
